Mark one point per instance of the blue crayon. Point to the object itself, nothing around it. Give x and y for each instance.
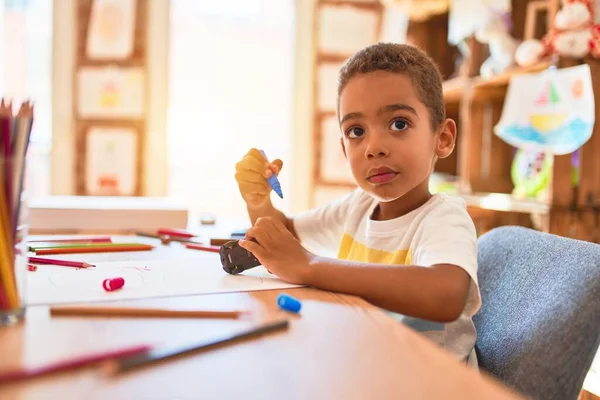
(273, 181)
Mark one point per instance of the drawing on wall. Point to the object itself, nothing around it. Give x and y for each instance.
(111, 161)
(551, 111)
(110, 92)
(328, 82)
(111, 29)
(345, 30)
(333, 164)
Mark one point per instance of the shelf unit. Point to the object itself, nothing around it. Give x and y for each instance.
(136, 61)
(331, 176)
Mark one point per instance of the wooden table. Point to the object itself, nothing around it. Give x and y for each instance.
(339, 347)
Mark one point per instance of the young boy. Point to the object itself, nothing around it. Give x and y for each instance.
(398, 246)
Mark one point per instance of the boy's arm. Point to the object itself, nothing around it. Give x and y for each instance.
(436, 293)
(268, 210)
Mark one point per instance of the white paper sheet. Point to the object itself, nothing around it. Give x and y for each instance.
(551, 111)
(144, 279)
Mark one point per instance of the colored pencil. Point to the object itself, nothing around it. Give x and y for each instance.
(166, 352)
(5, 125)
(175, 232)
(64, 263)
(203, 247)
(78, 250)
(99, 239)
(219, 242)
(7, 277)
(165, 238)
(71, 364)
(22, 132)
(77, 245)
(141, 312)
(3, 300)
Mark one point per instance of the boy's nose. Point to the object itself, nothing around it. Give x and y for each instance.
(376, 149)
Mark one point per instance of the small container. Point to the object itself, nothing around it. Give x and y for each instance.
(13, 309)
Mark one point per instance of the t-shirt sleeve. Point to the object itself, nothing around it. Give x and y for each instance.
(320, 230)
(448, 236)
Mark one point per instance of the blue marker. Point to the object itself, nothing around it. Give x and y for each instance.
(288, 303)
(273, 181)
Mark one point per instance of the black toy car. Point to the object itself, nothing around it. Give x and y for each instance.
(236, 259)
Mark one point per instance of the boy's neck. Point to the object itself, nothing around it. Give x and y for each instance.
(403, 205)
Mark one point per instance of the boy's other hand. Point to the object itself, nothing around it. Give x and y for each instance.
(278, 250)
(251, 175)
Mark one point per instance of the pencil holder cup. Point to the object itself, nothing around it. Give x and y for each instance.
(14, 230)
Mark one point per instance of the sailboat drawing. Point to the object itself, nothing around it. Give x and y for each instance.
(552, 111)
(550, 120)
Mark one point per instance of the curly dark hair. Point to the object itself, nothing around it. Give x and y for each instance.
(405, 59)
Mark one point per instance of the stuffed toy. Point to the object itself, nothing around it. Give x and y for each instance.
(574, 35)
(495, 32)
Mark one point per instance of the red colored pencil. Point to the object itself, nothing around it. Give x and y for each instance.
(74, 363)
(65, 263)
(93, 249)
(100, 239)
(3, 300)
(203, 247)
(176, 232)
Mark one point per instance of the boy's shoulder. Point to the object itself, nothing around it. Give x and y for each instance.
(446, 210)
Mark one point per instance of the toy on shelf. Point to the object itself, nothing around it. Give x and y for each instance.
(502, 46)
(530, 173)
(574, 35)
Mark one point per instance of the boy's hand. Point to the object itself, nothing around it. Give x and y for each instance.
(278, 250)
(251, 175)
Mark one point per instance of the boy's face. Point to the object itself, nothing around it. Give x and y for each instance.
(387, 135)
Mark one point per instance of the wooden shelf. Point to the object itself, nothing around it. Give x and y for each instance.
(505, 202)
(455, 88)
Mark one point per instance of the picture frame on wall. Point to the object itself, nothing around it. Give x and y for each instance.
(111, 30)
(333, 168)
(111, 92)
(344, 28)
(112, 161)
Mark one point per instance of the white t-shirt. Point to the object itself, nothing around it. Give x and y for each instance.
(439, 232)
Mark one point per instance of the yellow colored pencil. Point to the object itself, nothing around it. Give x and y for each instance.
(6, 260)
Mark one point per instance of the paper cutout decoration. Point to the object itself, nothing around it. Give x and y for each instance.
(109, 92)
(111, 29)
(551, 111)
(111, 162)
(530, 173)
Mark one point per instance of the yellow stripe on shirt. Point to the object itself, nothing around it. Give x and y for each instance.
(352, 250)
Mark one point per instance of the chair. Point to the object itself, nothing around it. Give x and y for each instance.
(539, 325)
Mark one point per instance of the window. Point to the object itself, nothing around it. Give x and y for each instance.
(26, 73)
(231, 77)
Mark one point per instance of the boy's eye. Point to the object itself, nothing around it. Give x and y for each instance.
(355, 132)
(399, 125)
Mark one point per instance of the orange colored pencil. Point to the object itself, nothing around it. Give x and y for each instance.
(96, 311)
(92, 249)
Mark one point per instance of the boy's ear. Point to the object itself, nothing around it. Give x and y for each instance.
(446, 138)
